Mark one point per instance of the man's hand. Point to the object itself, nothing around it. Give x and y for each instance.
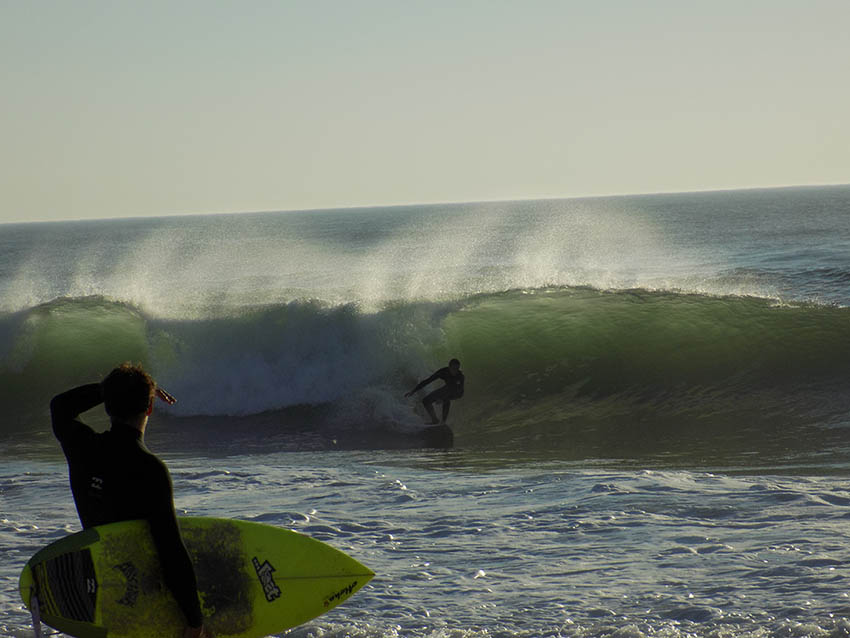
(408, 394)
(162, 394)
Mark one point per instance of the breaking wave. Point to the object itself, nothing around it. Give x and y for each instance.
(554, 368)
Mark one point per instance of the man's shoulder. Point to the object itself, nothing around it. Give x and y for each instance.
(145, 461)
(153, 461)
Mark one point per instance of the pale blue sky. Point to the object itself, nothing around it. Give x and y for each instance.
(150, 108)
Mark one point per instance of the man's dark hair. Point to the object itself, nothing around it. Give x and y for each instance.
(127, 391)
(454, 362)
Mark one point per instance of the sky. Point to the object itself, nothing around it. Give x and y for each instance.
(114, 109)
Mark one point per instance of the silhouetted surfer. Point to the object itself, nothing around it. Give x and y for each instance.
(453, 389)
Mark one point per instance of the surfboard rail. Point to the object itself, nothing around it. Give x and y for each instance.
(254, 579)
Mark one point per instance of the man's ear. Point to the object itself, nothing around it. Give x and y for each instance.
(150, 408)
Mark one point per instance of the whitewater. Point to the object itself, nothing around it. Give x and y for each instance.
(653, 439)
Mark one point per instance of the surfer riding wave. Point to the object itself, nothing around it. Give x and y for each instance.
(453, 389)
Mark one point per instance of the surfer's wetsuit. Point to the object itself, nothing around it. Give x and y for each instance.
(114, 477)
(452, 390)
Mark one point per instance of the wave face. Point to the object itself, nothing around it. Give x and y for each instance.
(263, 359)
(569, 369)
(635, 371)
(667, 324)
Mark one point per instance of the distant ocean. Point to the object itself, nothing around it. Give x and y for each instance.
(654, 440)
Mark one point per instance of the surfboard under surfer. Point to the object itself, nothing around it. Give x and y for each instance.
(114, 477)
(453, 389)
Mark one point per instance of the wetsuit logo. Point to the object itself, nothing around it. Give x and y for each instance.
(264, 573)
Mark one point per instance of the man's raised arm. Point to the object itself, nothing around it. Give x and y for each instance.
(66, 407)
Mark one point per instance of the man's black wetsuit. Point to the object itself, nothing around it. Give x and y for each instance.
(452, 390)
(114, 477)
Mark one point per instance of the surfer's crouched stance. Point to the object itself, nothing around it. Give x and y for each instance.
(453, 389)
(114, 477)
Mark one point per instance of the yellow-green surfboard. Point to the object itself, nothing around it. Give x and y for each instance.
(253, 580)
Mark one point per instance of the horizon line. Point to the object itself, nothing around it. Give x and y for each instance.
(354, 207)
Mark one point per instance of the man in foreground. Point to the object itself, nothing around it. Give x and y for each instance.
(453, 389)
(114, 477)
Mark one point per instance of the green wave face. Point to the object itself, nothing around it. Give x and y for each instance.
(546, 368)
(554, 368)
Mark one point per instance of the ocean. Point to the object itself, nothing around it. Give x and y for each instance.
(654, 438)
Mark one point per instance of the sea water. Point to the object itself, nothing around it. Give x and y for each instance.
(653, 440)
